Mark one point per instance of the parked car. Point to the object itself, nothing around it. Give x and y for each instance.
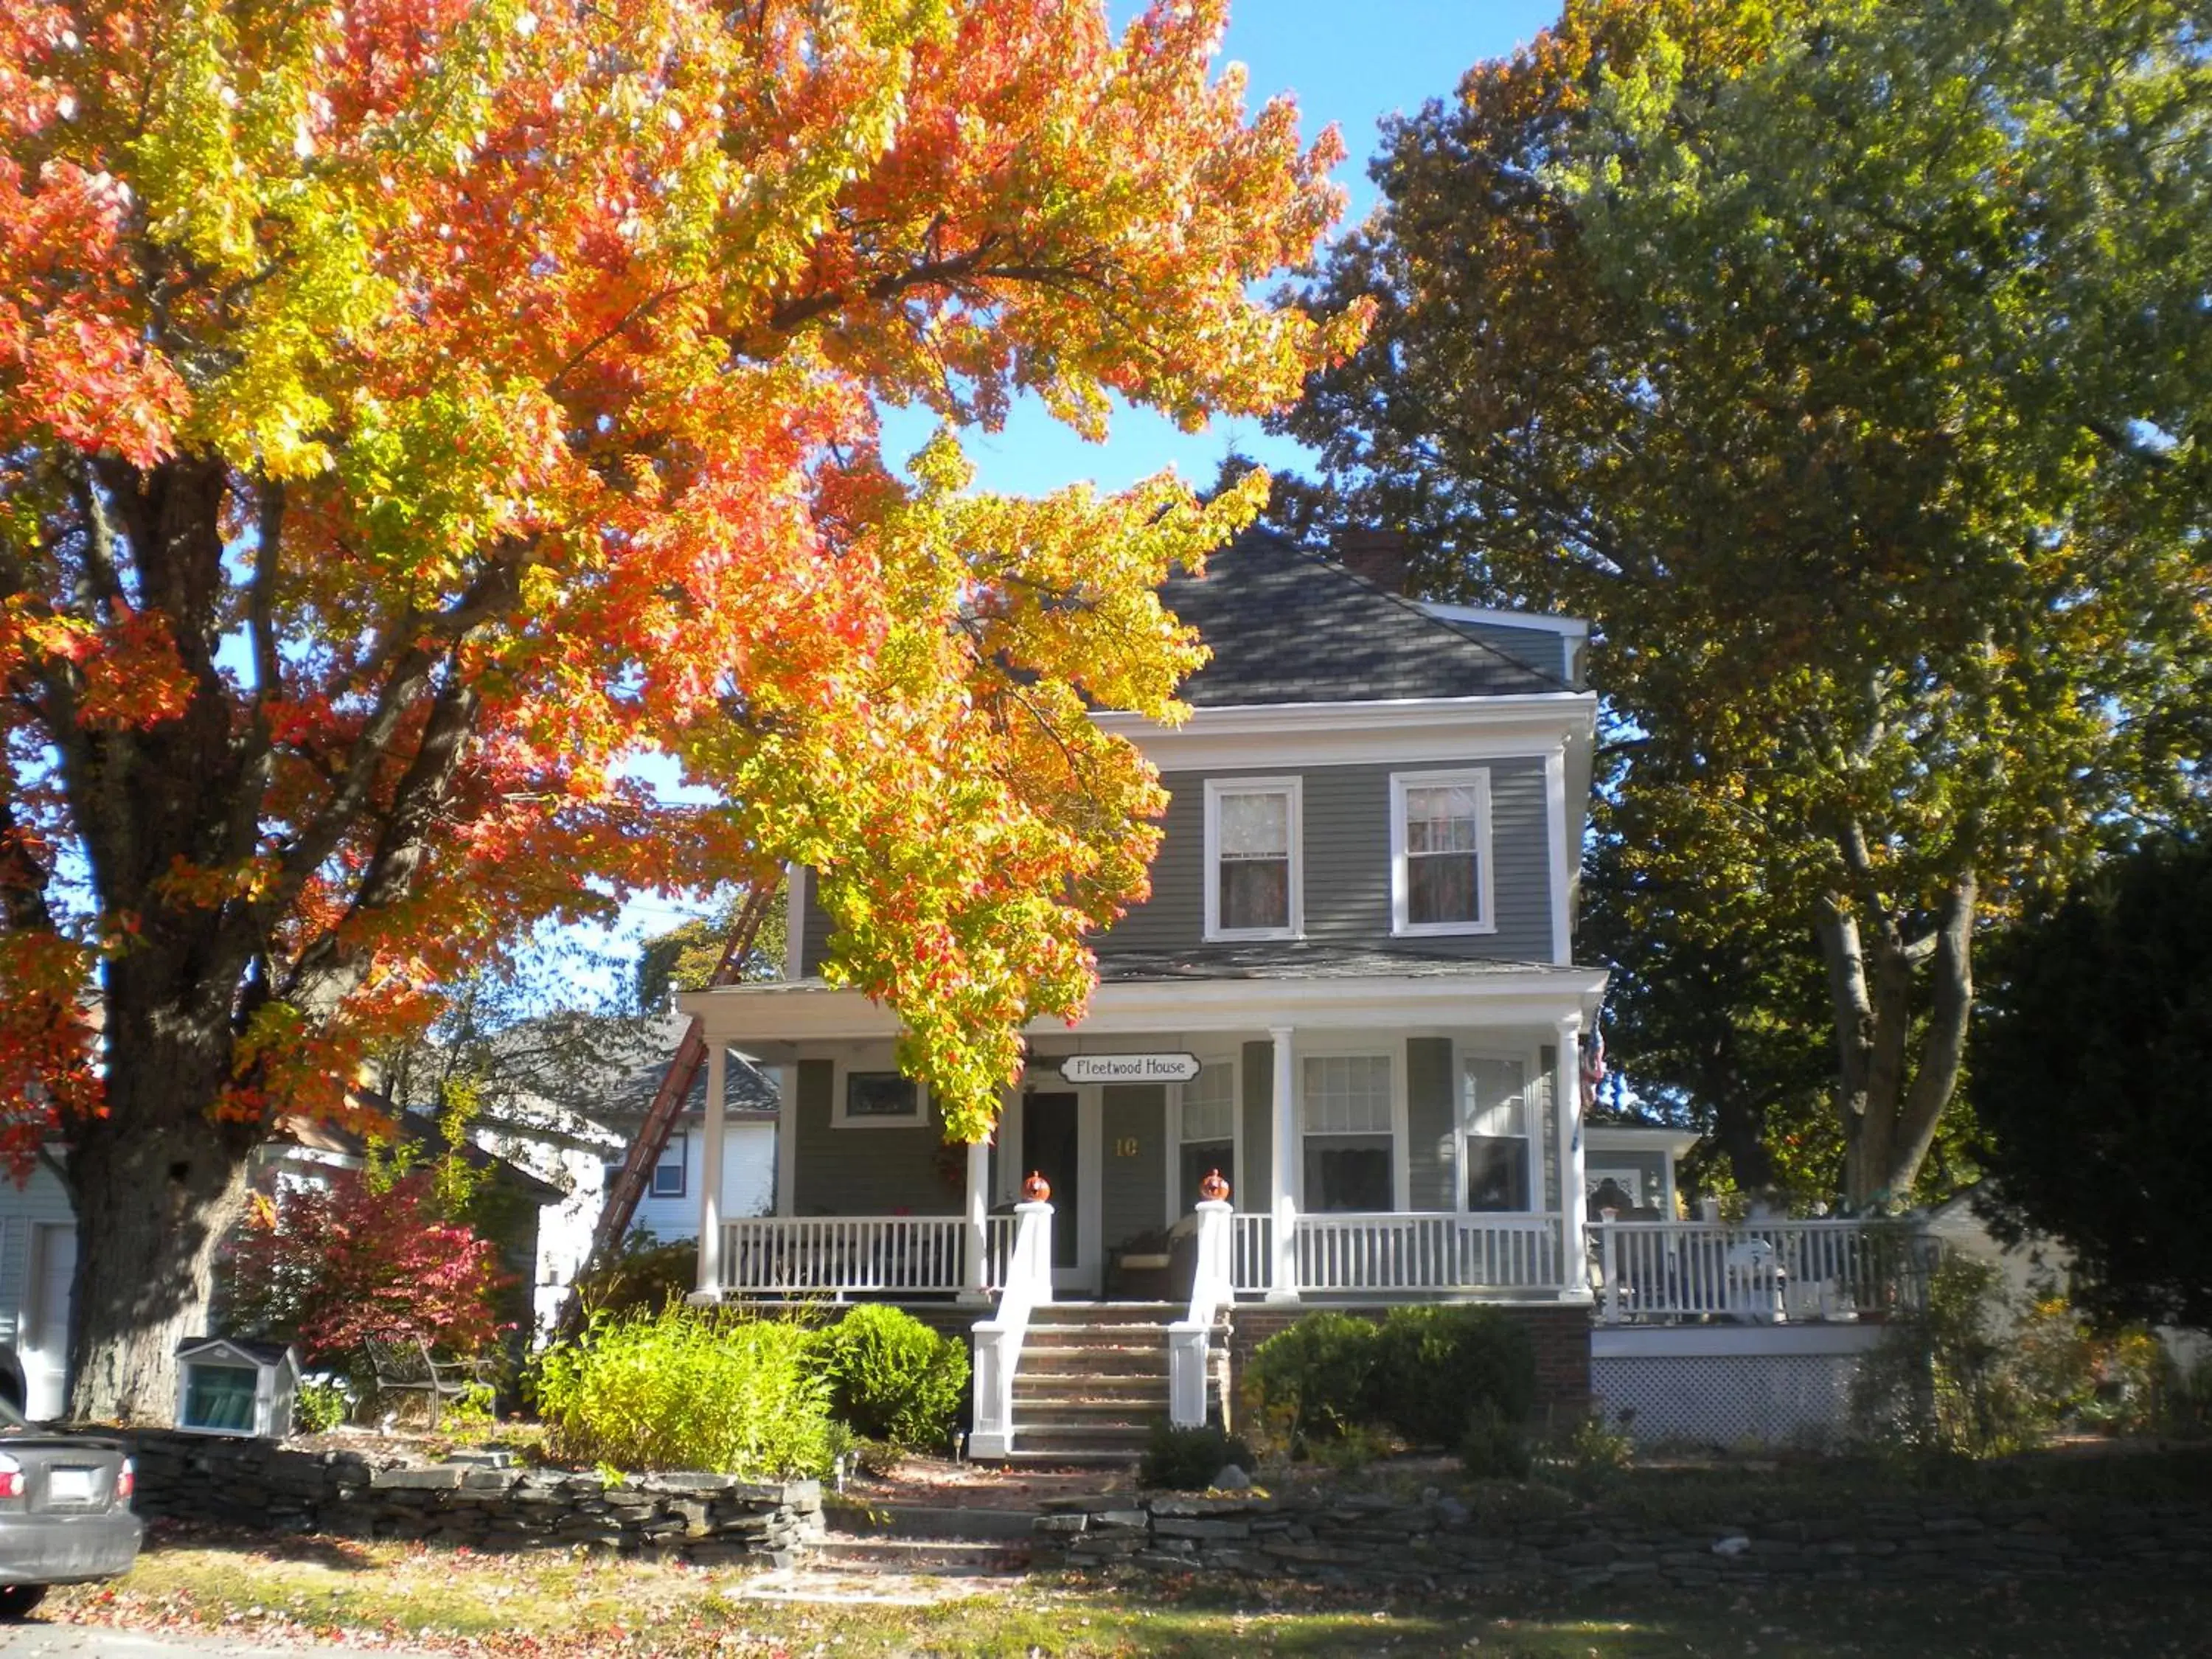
(64, 1511)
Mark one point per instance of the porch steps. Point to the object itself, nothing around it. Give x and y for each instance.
(1092, 1381)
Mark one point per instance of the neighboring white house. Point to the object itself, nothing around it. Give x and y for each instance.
(567, 1111)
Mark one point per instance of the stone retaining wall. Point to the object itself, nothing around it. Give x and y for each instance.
(703, 1518)
(1369, 1540)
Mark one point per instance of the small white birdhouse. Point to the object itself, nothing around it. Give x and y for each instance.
(225, 1385)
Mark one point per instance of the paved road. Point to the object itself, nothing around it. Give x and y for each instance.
(42, 1641)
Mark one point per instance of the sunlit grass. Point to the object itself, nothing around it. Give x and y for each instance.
(561, 1605)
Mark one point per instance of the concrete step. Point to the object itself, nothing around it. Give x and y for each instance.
(942, 1558)
(930, 1521)
(1093, 1362)
(1079, 1414)
(1111, 1312)
(1130, 1391)
(1133, 1339)
(1126, 1439)
(1058, 1457)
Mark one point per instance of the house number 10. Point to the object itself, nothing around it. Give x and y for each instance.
(1126, 1147)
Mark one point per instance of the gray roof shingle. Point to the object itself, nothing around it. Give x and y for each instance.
(1287, 626)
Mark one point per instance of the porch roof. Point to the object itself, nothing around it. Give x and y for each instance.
(1215, 988)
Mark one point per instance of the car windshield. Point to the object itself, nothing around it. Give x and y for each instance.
(11, 1419)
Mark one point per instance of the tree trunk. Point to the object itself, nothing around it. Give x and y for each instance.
(1889, 1118)
(157, 1185)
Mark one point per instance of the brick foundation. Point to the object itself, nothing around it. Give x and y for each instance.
(1560, 1333)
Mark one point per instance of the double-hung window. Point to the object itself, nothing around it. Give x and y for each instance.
(1495, 1118)
(1350, 1148)
(880, 1100)
(668, 1173)
(1440, 853)
(1209, 1131)
(1254, 887)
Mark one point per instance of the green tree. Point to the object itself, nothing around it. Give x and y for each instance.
(2093, 1079)
(1847, 363)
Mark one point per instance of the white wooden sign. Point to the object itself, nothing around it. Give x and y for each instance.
(1129, 1068)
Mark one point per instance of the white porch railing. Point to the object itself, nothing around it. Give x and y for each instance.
(783, 1255)
(1251, 1250)
(1413, 1252)
(1190, 1338)
(999, 1339)
(1759, 1270)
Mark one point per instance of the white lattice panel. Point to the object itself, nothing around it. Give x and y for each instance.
(1728, 1399)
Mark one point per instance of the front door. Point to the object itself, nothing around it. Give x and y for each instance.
(1052, 1141)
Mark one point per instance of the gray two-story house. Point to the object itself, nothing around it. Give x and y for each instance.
(1352, 993)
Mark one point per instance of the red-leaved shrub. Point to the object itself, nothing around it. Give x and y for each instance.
(329, 1268)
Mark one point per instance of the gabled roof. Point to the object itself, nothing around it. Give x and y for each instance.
(1287, 626)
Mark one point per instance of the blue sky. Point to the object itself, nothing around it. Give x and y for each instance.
(1350, 63)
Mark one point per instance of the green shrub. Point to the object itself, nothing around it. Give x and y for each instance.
(320, 1407)
(1591, 1459)
(1946, 1381)
(1434, 1366)
(1187, 1460)
(1492, 1448)
(1313, 1377)
(682, 1389)
(642, 1277)
(893, 1378)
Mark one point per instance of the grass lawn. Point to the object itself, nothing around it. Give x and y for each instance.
(387, 1594)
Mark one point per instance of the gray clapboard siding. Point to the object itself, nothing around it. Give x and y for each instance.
(869, 1171)
(1431, 1165)
(1347, 864)
(1258, 1083)
(1133, 1126)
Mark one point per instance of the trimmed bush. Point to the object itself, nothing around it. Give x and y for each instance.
(1492, 1448)
(1433, 1367)
(682, 1389)
(1187, 1460)
(1313, 1377)
(893, 1378)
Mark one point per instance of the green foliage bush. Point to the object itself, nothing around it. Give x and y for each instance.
(1492, 1448)
(682, 1389)
(1187, 1460)
(1313, 1378)
(320, 1407)
(893, 1378)
(1970, 1374)
(1434, 1366)
(644, 1277)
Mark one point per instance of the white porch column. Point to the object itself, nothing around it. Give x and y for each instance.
(1282, 1151)
(1573, 1217)
(975, 1282)
(710, 1175)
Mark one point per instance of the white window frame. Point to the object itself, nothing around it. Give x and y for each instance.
(679, 1142)
(1179, 1202)
(1535, 1102)
(840, 1085)
(1401, 1177)
(1294, 787)
(1486, 921)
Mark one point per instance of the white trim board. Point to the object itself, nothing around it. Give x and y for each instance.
(1731, 1342)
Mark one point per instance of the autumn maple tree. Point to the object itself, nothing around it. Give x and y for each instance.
(411, 410)
(1845, 361)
